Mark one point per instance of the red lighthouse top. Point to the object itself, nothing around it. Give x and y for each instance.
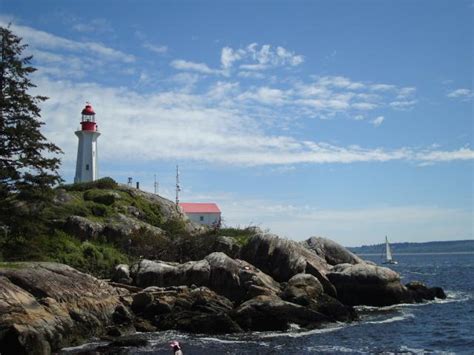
(88, 118)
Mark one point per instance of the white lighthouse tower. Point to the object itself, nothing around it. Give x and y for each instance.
(86, 166)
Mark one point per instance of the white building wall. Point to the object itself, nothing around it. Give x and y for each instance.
(208, 219)
(86, 165)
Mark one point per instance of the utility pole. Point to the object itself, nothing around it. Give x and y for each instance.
(155, 185)
(178, 187)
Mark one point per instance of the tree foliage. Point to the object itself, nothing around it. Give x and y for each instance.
(28, 162)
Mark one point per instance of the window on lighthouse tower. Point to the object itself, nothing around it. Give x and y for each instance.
(87, 166)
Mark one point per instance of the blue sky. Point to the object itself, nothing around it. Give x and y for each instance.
(350, 120)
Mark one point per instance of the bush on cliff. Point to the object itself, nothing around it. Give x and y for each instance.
(95, 258)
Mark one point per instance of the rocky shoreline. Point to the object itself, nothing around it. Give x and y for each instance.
(268, 284)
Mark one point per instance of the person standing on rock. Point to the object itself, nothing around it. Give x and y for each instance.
(176, 348)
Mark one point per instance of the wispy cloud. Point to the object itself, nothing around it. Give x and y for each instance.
(461, 94)
(46, 41)
(155, 48)
(377, 121)
(180, 64)
(96, 25)
(200, 127)
(264, 57)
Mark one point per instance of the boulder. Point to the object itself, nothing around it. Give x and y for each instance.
(163, 274)
(331, 251)
(421, 292)
(282, 259)
(47, 306)
(364, 284)
(122, 274)
(228, 245)
(264, 313)
(83, 228)
(306, 290)
(122, 228)
(237, 279)
(234, 279)
(197, 310)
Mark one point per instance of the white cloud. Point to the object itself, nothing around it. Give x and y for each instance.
(382, 87)
(364, 106)
(93, 26)
(191, 66)
(154, 48)
(461, 94)
(254, 57)
(377, 121)
(403, 105)
(406, 92)
(46, 41)
(264, 95)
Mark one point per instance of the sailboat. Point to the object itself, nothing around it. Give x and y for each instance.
(388, 254)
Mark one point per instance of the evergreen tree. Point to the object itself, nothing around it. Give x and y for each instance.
(28, 162)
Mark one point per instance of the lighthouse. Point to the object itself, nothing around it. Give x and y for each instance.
(86, 165)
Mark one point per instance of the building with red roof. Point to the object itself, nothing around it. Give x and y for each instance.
(203, 213)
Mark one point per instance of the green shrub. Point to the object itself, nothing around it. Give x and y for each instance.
(104, 183)
(94, 258)
(100, 196)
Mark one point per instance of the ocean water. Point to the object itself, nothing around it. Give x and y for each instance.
(438, 327)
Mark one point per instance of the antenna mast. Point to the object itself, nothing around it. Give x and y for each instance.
(155, 185)
(178, 187)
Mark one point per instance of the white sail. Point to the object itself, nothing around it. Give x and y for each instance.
(388, 252)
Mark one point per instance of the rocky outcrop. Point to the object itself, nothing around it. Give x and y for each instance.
(235, 279)
(282, 259)
(83, 228)
(420, 292)
(45, 306)
(364, 284)
(123, 227)
(228, 245)
(272, 313)
(331, 251)
(122, 274)
(197, 310)
(306, 290)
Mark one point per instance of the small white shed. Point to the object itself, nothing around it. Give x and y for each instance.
(203, 213)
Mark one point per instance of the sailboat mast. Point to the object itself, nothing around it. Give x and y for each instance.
(388, 252)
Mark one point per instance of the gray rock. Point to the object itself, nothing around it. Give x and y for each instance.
(283, 259)
(265, 313)
(123, 228)
(228, 245)
(331, 251)
(164, 274)
(235, 279)
(364, 284)
(306, 290)
(83, 228)
(122, 274)
(47, 306)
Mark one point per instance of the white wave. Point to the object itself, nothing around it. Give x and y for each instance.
(307, 332)
(329, 349)
(223, 341)
(85, 346)
(391, 320)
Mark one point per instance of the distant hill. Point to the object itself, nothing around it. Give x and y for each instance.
(428, 247)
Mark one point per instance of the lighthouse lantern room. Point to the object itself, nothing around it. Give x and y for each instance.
(86, 165)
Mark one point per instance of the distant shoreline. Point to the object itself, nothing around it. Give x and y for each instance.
(428, 253)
